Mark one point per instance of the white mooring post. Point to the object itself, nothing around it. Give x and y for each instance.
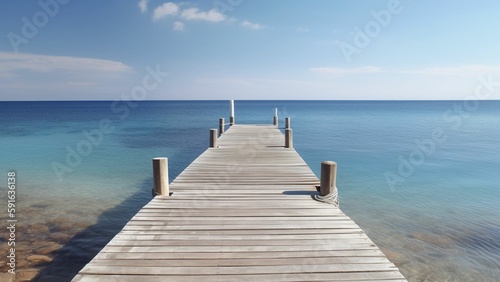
(288, 138)
(213, 138)
(231, 116)
(160, 177)
(287, 123)
(221, 126)
(275, 119)
(328, 177)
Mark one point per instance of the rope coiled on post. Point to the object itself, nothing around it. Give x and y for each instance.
(332, 198)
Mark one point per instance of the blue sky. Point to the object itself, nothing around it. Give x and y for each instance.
(247, 49)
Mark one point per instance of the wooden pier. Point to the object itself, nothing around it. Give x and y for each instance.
(242, 211)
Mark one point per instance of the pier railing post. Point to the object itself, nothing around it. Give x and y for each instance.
(160, 177)
(287, 123)
(328, 177)
(288, 138)
(213, 138)
(275, 119)
(231, 116)
(221, 126)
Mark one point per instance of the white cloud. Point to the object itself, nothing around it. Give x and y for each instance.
(303, 29)
(143, 5)
(192, 14)
(195, 14)
(344, 71)
(464, 71)
(461, 71)
(11, 63)
(39, 77)
(166, 9)
(252, 25)
(445, 83)
(178, 26)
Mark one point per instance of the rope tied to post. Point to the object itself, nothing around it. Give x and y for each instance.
(328, 192)
(331, 198)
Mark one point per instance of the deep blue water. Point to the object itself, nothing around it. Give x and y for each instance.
(421, 178)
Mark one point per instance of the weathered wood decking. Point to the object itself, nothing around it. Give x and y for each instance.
(242, 212)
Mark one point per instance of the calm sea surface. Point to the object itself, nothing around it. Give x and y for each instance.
(421, 178)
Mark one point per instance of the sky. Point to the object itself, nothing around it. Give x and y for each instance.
(249, 49)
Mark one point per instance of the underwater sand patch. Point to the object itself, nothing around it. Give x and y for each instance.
(432, 238)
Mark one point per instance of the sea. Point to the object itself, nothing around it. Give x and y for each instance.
(421, 178)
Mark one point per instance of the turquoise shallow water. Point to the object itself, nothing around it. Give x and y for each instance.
(431, 206)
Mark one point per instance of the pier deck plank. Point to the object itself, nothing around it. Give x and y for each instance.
(242, 212)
